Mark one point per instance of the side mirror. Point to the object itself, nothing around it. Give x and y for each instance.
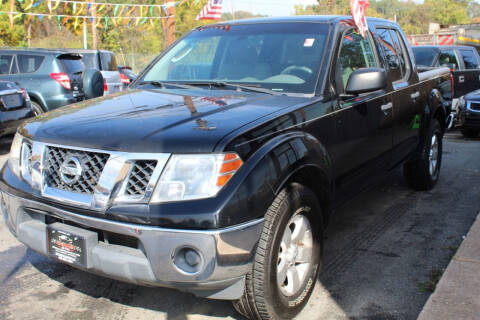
(366, 80)
(92, 83)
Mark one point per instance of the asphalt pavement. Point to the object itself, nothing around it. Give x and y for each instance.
(385, 251)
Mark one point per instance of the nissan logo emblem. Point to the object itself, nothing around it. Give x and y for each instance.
(71, 170)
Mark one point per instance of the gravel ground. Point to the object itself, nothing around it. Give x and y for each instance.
(385, 250)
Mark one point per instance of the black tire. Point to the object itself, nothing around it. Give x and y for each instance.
(263, 298)
(468, 133)
(417, 171)
(37, 109)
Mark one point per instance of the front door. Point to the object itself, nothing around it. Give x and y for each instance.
(364, 122)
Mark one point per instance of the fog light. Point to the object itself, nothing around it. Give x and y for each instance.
(188, 260)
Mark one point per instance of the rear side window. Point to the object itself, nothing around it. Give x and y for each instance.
(394, 52)
(29, 63)
(109, 63)
(5, 63)
(72, 66)
(90, 60)
(425, 56)
(448, 57)
(469, 59)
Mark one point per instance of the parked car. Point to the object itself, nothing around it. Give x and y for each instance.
(106, 63)
(464, 63)
(52, 79)
(218, 170)
(127, 76)
(469, 114)
(15, 107)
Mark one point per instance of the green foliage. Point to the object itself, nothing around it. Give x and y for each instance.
(412, 16)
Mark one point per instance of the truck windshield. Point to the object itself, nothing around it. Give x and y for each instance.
(425, 56)
(281, 57)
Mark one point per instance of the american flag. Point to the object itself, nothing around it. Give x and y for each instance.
(358, 8)
(211, 11)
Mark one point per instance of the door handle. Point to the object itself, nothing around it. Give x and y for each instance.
(415, 95)
(387, 107)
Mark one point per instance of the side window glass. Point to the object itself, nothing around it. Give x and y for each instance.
(390, 51)
(5, 63)
(355, 53)
(400, 49)
(469, 59)
(29, 63)
(448, 57)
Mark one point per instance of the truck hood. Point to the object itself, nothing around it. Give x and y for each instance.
(180, 121)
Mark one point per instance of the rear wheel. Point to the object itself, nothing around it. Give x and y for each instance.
(287, 260)
(37, 109)
(468, 133)
(422, 172)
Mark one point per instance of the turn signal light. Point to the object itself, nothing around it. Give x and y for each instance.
(231, 164)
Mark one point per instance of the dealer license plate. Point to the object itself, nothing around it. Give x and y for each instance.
(66, 247)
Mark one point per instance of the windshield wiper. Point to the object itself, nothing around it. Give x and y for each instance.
(164, 85)
(223, 84)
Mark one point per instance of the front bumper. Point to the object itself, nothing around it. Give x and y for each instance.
(226, 254)
(469, 117)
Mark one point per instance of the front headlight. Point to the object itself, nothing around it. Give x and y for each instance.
(14, 157)
(195, 176)
(20, 159)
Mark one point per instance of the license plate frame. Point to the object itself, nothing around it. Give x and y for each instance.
(67, 247)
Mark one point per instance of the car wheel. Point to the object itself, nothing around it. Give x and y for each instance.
(422, 172)
(37, 109)
(469, 133)
(287, 259)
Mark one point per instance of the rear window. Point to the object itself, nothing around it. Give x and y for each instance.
(109, 63)
(469, 59)
(72, 66)
(5, 63)
(425, 56)
(448, 57)
(29, 63)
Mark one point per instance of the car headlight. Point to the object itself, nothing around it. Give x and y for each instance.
(20, 158)
(195, 176)
(461, 103)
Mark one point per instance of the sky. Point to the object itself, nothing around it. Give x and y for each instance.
(265, 7)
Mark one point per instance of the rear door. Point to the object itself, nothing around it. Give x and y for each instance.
(73, 66)
(407, 97)
(110, 72)
(468, 78)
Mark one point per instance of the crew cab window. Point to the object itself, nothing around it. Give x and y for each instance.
(356, 52)
(395, 54)
(29, 63)
(448, 57)
(5, 63)
(469, 59)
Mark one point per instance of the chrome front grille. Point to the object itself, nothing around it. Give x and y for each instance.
(93, 164)
(139, 177)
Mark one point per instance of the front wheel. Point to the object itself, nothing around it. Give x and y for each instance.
(288, 256)
(422, 172)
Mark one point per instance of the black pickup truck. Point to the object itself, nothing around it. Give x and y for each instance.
(464, 63)
(218, 169)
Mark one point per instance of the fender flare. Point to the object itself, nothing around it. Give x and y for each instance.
(35, 96)
(270, 168)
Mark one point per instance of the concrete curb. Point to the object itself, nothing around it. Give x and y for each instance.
(457, 295)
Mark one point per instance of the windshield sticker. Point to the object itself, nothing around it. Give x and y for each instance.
(308, 42)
